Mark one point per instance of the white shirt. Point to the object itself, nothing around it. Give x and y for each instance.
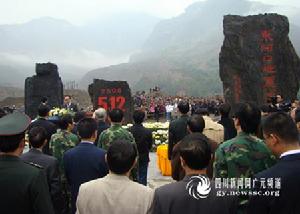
(291, 152)
(88, 142)
(169, 108)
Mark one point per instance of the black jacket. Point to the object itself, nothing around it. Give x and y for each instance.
(143, 139)
(50, 166)
(177, 131)
(288, 170)
(229, 129)
(50, 129)
(71, 107)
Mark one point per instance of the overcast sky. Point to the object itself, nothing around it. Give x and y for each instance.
(81, 11)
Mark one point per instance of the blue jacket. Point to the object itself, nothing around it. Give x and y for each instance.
(83, 163)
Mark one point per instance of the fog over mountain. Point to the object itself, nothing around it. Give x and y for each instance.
(180, 53)
(75, 49)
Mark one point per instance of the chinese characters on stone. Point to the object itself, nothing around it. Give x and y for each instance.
(268, 68)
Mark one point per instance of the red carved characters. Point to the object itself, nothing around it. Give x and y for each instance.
(112, 98)
(268, 68)
(266, 35)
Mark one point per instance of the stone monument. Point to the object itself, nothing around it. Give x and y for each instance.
(257, 59)
(46, 83)
(110, 95)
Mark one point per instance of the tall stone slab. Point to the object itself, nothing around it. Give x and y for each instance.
(112, 94)
(46, 83)
(257, 59)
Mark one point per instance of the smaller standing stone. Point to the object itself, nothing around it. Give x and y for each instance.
(46, 83)
(112, 94)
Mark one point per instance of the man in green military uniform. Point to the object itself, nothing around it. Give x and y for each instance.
(23, 187)
(115, 133)
(60, 142)
(63, 140)
(244, 155)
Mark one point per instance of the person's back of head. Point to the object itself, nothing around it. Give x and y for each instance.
(37, 136)
(65, 121)
(79, 116)
(12, 132)
(195, 150)
(225, 110)
(281, 125)
(87, 128)
(138, 116)
(43, 110)
(116, 115)
(183, 107)
(196, 123)
(280, 133)
(248, 116)
(11, 143)
(100, 114)
(121, 157)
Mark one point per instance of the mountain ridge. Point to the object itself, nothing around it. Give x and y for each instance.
(188, 46)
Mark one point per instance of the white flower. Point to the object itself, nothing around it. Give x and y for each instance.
(157, 142)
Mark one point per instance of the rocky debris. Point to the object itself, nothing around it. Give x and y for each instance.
(46, 83)
(112, 94)
(257, 59)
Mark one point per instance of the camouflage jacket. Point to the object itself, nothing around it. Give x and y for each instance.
(242, 157)
(60, 142)
(115, 132)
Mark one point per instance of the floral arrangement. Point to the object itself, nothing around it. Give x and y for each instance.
(156, 125)
(58, 112)
(160, 137)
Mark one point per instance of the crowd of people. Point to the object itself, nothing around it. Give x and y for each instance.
(247, 162)
(159, 106)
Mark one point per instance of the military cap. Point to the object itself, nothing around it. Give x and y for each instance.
(13, 124)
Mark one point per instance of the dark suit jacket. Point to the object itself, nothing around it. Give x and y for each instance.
(50, 166)
(174, 198)
(71, 107)
(288, 170)
(83, 163)
(143, 139)
(229, 129)
(177, 131)
(50, 128)
(177, 170)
